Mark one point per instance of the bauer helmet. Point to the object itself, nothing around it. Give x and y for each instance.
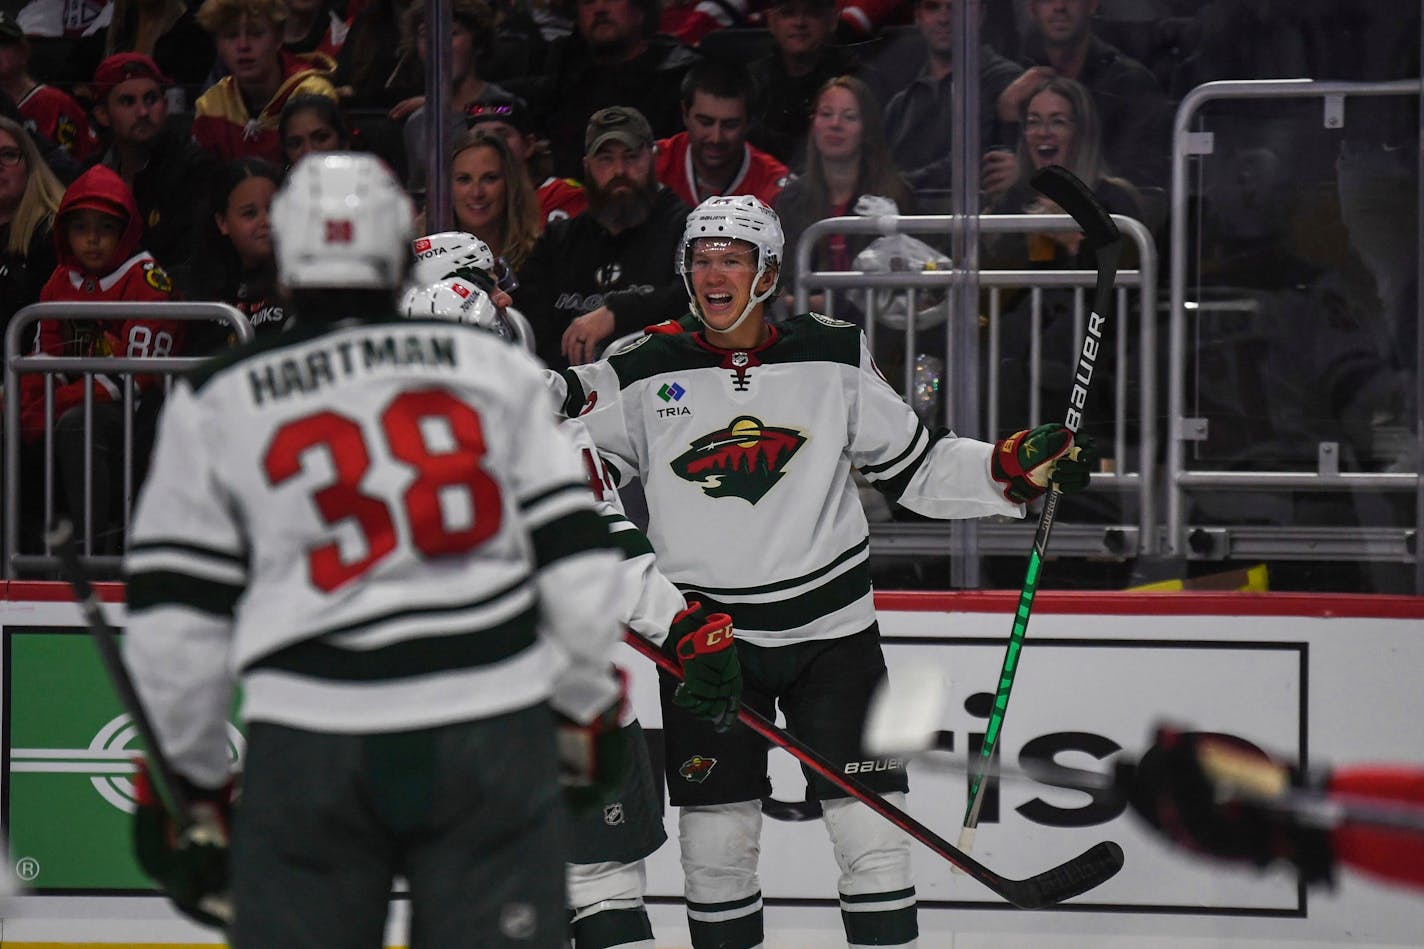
(457, 300)
(734, 217)
(341, 221)
(441, 255)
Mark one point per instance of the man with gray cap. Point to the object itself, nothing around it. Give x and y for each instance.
(609, 271)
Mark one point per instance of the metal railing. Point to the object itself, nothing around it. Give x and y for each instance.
(1137, 486)
(1306, 541)
(18, 364)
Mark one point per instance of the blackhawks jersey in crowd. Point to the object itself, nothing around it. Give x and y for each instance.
(746, 461)
(377, 528)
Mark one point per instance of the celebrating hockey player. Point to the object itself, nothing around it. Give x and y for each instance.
(745, 435)
(376, 525)
(611, 838)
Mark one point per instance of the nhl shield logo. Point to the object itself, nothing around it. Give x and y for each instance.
(697, 768)
(743, 460)
(613, 814)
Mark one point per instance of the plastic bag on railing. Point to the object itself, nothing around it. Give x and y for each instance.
(900, 253)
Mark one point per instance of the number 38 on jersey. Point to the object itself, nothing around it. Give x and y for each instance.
(450, 506)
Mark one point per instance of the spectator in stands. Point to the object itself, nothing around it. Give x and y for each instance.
(1060, 127)
(311, 124)
(711, 156)
(166, 31)
(493, 198)
(917, 120)
(314, 26)
(471, 32)
(691, 20)
(373, 71)
(559, 198)
(606, 273)
(788, 79)
(29, 198)
(238, 115)
(614, 58)
(65, 168)
(235, 263)
(846, 157)
(49, 111)
(1136, 116)
(165, 170)
(97, 234)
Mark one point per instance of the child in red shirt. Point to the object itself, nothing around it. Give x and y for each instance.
(96, 234)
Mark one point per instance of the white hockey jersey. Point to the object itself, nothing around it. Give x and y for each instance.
(377, 527)
(746, 461)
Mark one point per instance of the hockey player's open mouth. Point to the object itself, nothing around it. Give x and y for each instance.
(718, 301)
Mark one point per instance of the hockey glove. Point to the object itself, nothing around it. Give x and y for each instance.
(711, 687)
(593, 758)
(1025, 462)
(191, 867)
(1211, 793)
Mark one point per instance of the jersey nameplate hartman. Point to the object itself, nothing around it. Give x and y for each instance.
(305, 374)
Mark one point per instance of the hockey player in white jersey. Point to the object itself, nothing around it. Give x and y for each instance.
(374, 525)
(744, 435)
(610, 840)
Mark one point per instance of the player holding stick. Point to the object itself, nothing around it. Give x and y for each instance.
(744, 436)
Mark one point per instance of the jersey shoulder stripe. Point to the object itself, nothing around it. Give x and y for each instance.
(811, 337)
(658, 353)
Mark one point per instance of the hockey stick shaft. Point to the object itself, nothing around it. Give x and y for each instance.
(160, 772)
(1078, 875)
(1312, 808)
(1100, 234)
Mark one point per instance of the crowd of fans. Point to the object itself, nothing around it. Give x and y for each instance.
(195, 110)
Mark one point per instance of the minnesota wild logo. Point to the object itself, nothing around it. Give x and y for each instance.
(743, 460)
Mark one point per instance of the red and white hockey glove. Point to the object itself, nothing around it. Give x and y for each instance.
(712, 675)
(190, 867)
(1211, 793)
(1027, 461)
(593, 756)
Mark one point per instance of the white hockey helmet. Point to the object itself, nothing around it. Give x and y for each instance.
(734, 217)
(341, 221)
(457, 300)
(439, 255)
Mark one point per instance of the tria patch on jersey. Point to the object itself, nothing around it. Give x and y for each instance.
(743, 460)
(697, 768)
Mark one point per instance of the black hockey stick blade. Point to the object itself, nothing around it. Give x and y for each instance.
(160, 772)
(1085, 871)
(1077, 200)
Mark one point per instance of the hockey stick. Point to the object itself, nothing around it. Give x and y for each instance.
(1102, 236)
(903, 722)
(1085, 871)
(160, 772)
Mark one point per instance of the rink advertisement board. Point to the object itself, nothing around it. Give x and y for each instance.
(1327, 680)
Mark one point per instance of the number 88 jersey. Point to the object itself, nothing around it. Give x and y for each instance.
(378, 527)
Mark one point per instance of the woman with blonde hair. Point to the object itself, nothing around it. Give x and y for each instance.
(1060, 127)
(29, 197)
(493, 198)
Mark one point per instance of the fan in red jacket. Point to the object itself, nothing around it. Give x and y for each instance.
(96, 234)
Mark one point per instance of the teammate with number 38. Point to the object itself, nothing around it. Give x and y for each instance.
(375, 524)
(745, 435)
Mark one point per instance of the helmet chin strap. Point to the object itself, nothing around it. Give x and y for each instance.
(746, 310)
